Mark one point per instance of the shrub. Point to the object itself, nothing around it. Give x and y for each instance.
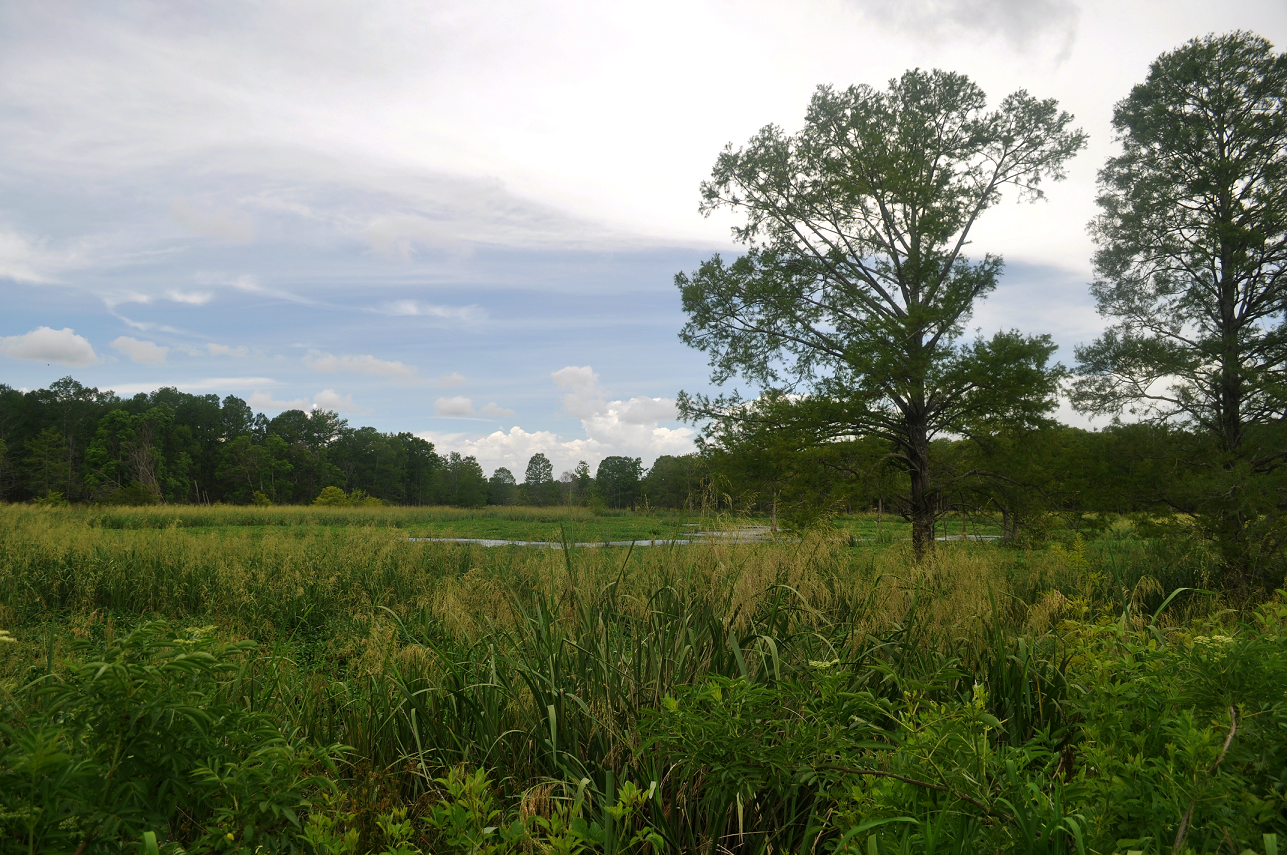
(332, 497)
(136, 738)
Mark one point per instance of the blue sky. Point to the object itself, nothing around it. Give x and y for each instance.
(463, 220)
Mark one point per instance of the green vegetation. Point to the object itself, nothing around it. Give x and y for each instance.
(357, 692)
(979, 632)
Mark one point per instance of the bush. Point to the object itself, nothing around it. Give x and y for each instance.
(331, 497)
(137, 738)
(131, 495)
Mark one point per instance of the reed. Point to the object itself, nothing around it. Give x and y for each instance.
(578, 665)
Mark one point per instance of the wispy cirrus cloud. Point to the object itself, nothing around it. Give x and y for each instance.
(421, 309)
(327, 399)
(358, 364)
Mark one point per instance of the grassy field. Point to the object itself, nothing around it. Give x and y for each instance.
(550, 524)
(299, 679)
(508, 523)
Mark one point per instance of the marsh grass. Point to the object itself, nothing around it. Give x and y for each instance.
(554, 666)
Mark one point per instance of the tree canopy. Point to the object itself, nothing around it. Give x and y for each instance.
(1191, 249)
(851, 299)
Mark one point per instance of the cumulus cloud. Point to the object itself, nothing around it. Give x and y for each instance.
(512, 449)
(494, 409)
(631, 428)
(62, 347)
(453, 408)
(144, 352)
(329, 399)
(620, 427)
(455, 378)
(643, 411)
(363, 364)
(585, 398)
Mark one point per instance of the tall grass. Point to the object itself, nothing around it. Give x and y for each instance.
(582, 665)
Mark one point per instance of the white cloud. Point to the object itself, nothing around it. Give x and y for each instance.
(418, 309)
(511, 449)
(455, 378)
(1020, 21)
(43, 344)
(226, 350)
(364, 364)
(225, 225)
(145, 352)
(20, 258)
(456, 407)
(265, 401)
(209, 384)
(585, 398)
(494, 409)
(630, 428)
(329, 399)
(192, 298)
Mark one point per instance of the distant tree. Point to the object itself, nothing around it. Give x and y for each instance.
(464, 484)
(237, 418)
(107, 459)
(501, 488)
(291, 426)
(45, 463)
(1191, 267)
(672, 482)
(617, 480)
(5, 466)
(855, 291)
(539, 486)
(422, 468)
(582, 484)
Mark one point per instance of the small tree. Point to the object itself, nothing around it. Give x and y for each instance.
(855, 290)
(464, 484)
(617, 480)
(538, 481)
(501, 488)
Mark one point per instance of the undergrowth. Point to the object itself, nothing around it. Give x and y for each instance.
(353, 692)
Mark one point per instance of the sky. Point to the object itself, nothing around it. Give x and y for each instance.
(464, 220)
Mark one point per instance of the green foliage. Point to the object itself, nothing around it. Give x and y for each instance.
(467, 819)
(1183, 723)
(501, 488)
(617, 480)
(539, 487)
(135, 737)
(334, 497)
(854, 291)
(1191, 246)
(811, 695)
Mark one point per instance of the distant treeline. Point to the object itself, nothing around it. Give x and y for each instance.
(77, 444)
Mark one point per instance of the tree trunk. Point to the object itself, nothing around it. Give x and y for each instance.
(922, 495)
